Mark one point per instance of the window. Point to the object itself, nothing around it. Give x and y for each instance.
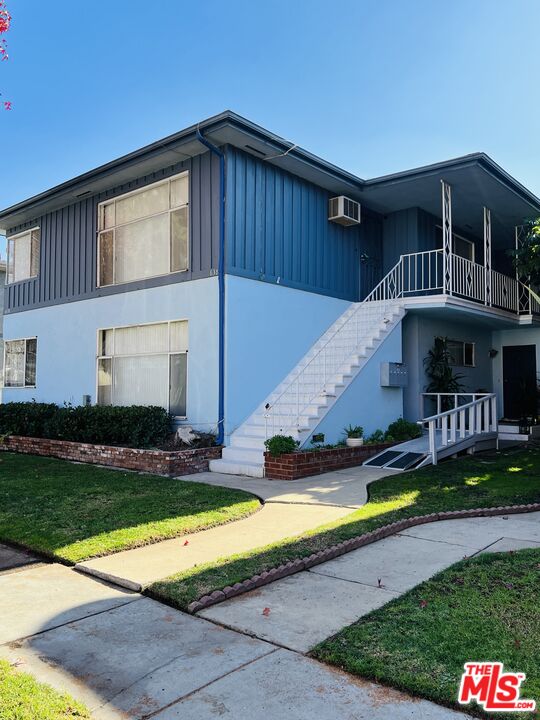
(460, 245)
(144, 233)
(461, 353)
(144, 365)
(20, 363)
(23, 255)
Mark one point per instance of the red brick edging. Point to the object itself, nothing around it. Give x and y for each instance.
(158, 462)
(299, 564)
(296, 465)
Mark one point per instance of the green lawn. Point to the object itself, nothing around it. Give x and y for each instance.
(23, 698)
(74, 512)
(511, 477)
(481, 609)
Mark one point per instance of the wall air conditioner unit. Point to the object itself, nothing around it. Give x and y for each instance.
(344, 211)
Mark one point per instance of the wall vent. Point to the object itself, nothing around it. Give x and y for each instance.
(344, 211)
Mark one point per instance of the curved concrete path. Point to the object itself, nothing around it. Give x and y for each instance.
(290, 509)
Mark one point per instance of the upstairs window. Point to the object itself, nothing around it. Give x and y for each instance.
(461, 353)
(144, 365)
(23, 255)
(144, 233)
(20, 363)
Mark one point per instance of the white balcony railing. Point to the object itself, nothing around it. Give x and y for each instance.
(424, 273)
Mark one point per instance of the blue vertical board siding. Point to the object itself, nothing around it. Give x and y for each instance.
(278, 231)
(68, 251)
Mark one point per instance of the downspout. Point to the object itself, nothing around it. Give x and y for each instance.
(221, 286)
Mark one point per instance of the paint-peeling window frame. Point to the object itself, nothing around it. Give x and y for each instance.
(107, 355)
(28, 371)
(34, 241)
(176, 220)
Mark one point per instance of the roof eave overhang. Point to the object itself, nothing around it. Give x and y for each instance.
(225, 128)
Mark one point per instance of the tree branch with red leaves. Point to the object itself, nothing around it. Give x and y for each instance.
(5, 22)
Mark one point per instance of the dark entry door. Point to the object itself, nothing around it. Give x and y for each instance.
(519, 379)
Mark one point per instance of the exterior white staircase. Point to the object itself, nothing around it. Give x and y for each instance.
(304, 397)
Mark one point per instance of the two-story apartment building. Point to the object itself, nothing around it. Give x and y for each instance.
(210, 273)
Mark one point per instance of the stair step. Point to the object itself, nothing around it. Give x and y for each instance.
(228, 467)
(248, 441)
(349, 347)
(243, 454)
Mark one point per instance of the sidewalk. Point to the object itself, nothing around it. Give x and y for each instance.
(126, 656)
(290, 509)
(364, 579)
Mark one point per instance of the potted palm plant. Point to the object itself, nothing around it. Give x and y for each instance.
(354, 435)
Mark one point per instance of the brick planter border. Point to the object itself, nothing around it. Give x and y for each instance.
(299, 564)
(293, 466)
(157, 462)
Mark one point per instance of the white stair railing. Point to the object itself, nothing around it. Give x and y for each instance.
(314, 378)
(448, 428)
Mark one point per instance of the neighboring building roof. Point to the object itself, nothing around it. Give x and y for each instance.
(481, 175)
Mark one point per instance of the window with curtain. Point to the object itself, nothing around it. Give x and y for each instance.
(23, 255)
(20, 362)
(144, 233)
(144, 365)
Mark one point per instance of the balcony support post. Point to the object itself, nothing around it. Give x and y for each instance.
(487, 256)
(447, 237)
(524, 297)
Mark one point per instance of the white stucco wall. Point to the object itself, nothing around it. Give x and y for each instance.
(269, 328)
(67, 342)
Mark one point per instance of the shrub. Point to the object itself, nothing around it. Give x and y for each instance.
(133, 426)
(377, 436)
(25, 418)
(402, 429)
(280, 445)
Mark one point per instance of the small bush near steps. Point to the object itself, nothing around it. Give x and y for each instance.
(281, 445)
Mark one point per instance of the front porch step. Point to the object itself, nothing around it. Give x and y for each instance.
(511, 432)
(243, 454)
(230, 467)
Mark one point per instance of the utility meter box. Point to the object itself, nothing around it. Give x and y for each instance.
(394, 374)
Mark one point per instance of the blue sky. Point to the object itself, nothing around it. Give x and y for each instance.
(374, 86)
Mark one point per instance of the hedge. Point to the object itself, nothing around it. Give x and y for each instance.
(133, 426)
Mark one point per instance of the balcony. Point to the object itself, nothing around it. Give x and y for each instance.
(434, 273)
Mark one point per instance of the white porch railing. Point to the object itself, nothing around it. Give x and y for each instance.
(452, 427)
(447, 401)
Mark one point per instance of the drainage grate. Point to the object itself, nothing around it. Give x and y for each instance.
(406, 461)
(386, 457)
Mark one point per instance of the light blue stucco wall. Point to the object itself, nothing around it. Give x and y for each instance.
(365, 402)
(419, 333)
(67, 340)
(518, 336)
(269, 328)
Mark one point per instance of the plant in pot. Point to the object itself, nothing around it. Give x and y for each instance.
(354, 435)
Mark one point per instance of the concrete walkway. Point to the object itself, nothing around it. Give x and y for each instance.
(127, 656)
(367, 578)
(290, 509)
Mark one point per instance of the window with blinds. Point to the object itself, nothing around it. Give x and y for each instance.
(144, 233)
(20, 362)
(23, 255)
(144, 365)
